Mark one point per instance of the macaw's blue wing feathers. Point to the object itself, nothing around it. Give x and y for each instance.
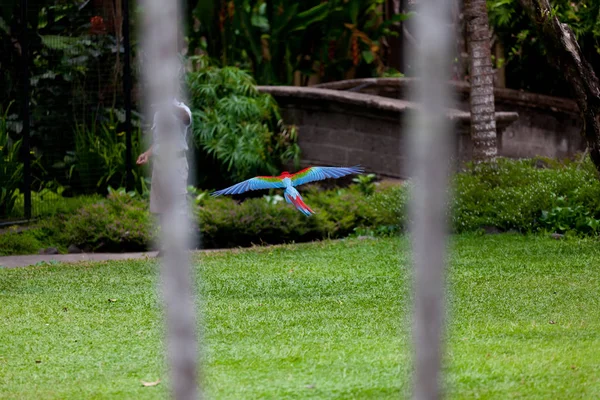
(312, 174)
(257, 183)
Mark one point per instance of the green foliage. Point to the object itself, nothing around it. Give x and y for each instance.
(76, 71)
(525, 49)
(50, 202)
(14, 242)
(238, 126)
(98, 160)
(119, 223)
(565, 217)
(366, 183)
(11, 167)
(513, 195)
(525, 196)
(257, 221)
(122, 222)
(278, 39)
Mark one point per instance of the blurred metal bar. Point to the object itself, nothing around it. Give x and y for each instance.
(127, 86)
(160, 23)
(431, 135)
(26, 147)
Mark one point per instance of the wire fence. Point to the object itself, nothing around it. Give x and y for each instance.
(65, 106)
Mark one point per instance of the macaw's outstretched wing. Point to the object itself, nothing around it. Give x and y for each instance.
(257, 183)
(312, 174)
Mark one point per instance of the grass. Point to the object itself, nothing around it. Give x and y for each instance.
(325, 320)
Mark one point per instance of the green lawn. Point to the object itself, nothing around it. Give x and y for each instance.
(325, 320)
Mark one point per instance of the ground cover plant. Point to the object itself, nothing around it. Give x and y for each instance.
(526, 196)
(322, 320)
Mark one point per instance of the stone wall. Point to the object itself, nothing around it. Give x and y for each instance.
(345, 128)
(547, 126)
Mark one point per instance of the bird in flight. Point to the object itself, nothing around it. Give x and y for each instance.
(289, 181)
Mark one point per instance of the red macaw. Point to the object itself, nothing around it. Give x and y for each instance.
(288, 181)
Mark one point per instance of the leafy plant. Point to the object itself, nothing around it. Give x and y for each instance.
(98, 160)
(75, 69)
(511, 195)
(11, 166)
(537, 195)
(198, 196)
(564, 217)
(14, 242)
(49, 201)
(519, 36)
(278, 39)
(236, 125)
(121, 222)
(366, 183)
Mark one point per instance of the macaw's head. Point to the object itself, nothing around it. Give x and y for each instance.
(285, 174)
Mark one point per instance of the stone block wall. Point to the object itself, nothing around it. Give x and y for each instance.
(547, 133)
(547, 126)
(337, 138)
(344, 129)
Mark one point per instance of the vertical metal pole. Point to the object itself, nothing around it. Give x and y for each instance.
(127, 86)
(431, 136)
(25, 146)
(161, 21)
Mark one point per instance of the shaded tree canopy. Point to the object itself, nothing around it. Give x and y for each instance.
(565, 53)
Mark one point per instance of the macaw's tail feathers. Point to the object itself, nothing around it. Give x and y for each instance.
(297, 201)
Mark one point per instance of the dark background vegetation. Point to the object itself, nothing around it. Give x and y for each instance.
(77, 118)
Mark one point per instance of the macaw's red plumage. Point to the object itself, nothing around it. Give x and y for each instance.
(288, 182)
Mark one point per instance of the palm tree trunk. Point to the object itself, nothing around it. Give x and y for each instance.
(483, 117)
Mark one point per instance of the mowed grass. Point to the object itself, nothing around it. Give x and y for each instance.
(328, 320)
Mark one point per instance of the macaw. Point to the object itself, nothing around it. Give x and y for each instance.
(289, 181)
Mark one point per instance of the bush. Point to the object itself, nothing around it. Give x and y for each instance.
(525, 196)
(520, 195)
(119, 223)
(222, 223)
(15, 242)
(339, 212)
(237, 126)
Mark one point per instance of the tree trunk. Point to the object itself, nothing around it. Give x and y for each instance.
(483, 114)
(564, 52)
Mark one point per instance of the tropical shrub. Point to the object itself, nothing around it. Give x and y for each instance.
(222, 223)
(334, 39)
(526, 64)
(119, 223)
(14, 242)
(237, 126)
(528, 196)
(122, 222)
(520, 195)
(98, 160)
(75, 69)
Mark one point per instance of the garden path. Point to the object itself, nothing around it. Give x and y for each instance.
(24, 261)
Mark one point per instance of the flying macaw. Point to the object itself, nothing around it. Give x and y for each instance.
(289, 181)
